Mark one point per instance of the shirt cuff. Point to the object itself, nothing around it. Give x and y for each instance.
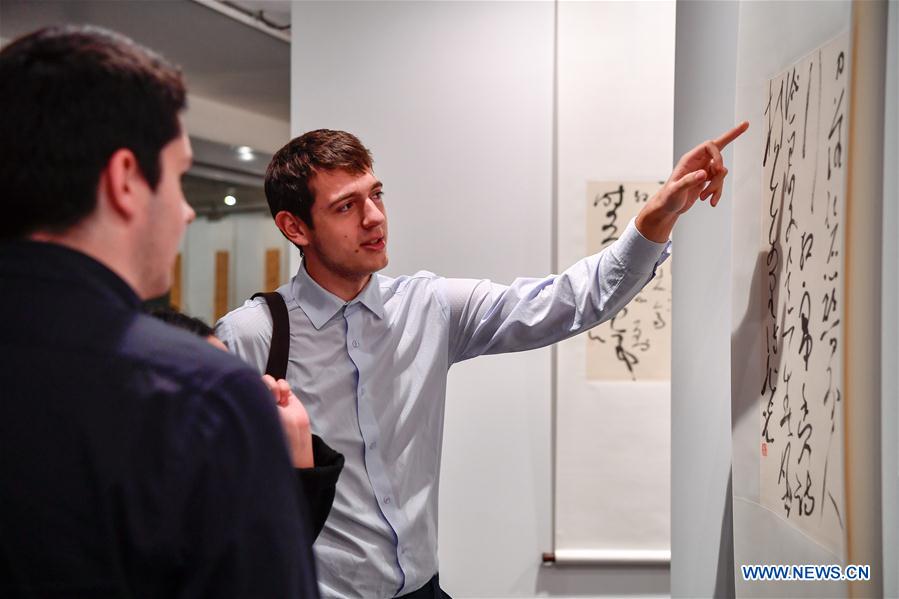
(638, 254)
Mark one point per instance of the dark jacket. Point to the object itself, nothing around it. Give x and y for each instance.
(135, 459)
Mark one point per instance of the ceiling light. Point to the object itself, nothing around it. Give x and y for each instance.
(230, 200)
(245, 153)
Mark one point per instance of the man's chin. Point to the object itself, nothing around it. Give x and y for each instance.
(366, 269)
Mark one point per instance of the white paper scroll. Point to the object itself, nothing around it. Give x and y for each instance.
(635, 345)
(800, 397)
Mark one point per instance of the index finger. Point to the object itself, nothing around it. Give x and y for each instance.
(731, 135)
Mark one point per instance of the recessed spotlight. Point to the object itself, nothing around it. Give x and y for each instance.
(230, 200)
(245, 153)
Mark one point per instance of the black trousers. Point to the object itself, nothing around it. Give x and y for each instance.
(431, 590)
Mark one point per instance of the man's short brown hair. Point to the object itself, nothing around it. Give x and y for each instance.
(293, 167)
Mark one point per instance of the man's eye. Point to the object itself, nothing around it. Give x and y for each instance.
(345, 207)
(378, 195)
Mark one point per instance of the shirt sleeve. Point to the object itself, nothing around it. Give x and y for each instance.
(247, 333)
(245, 530)
(489, 318)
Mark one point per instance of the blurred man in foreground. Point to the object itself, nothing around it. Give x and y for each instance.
(137, 459)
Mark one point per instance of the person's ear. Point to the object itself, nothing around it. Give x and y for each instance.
(121, 183)
(293, 228)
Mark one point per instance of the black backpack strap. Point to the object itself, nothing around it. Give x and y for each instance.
(280, 346)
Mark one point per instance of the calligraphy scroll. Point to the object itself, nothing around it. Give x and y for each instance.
(635, 345)
(801, 428)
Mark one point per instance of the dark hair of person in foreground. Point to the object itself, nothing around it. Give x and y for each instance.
(71, 96)
(182, 321)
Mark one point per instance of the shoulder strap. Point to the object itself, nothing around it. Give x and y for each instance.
(280, 346)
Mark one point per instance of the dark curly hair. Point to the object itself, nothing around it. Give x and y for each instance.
(293, 167)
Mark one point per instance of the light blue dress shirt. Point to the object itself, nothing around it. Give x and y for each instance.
(372, 375)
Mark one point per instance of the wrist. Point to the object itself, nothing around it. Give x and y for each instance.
(655, 222)
(301, 454)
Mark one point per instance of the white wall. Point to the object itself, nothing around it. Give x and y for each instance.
(701, 535)
(455, 99)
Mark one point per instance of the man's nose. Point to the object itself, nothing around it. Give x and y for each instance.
(373, 215)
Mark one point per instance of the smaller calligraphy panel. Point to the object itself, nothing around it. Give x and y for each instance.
(635, 345)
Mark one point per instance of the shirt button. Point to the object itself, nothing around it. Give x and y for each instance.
(355, 343)
(372, 445)
(387, 500)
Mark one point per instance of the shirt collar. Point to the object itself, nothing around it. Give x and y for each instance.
(320, 305)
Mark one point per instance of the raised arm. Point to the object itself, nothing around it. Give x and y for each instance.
(489, 318)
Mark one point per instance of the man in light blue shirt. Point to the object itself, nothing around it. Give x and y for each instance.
(369, 354)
